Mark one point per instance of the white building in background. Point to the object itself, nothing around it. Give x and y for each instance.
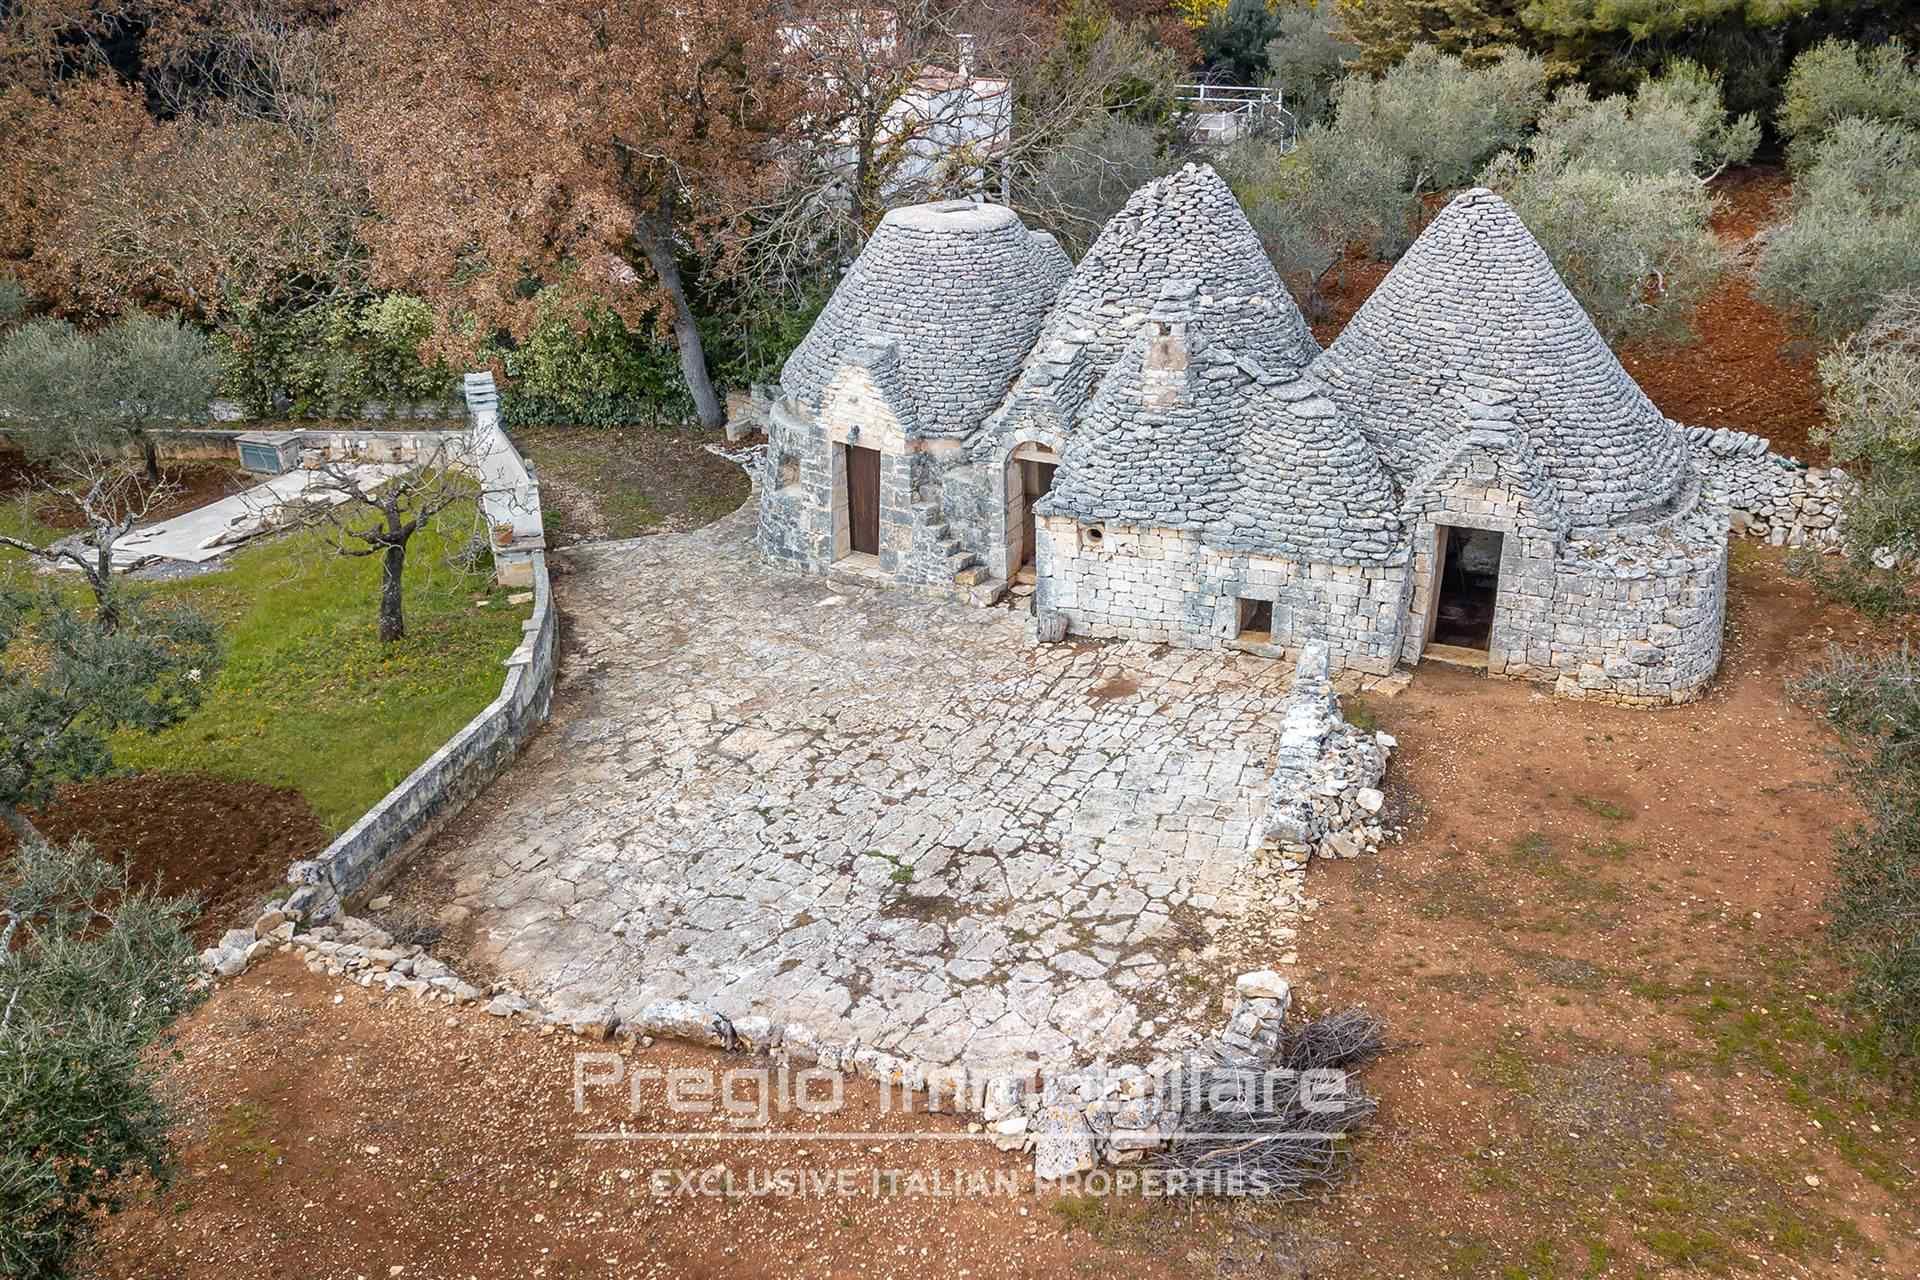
(944, 129)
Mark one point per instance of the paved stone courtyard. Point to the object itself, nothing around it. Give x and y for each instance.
(883, 816)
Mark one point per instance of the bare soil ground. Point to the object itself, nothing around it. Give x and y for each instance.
(1619, 1052)
(225, 842)
(1746, 367)
(623, 482)
(332, 1132)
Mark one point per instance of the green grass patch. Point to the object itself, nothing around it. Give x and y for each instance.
(1600, 806)
(308, 697)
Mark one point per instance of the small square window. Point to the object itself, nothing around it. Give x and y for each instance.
(1256, 620)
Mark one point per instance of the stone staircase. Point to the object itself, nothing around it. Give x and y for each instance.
(971, 579)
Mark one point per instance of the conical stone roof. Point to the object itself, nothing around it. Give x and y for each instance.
(1476, 304)
(961, 288)
(1159, 444)
(1186, 226)
(1310, 486)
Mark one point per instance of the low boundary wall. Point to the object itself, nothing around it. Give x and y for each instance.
(366, 854)
(375, 847)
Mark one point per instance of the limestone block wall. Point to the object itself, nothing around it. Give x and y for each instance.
(1772, 497)
(795, 487)
(803, 515)
(1638, 616)
(1494, 489)
(1165, 586)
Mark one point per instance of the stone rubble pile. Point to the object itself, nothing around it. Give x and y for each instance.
(1325, 797)
(1777, 499)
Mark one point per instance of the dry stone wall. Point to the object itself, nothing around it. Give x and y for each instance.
(1777, 499)
(1325, 796)
(1638, 617)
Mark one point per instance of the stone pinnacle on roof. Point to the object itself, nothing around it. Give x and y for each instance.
(960, 288)
(1158, 445)
(1476, 303)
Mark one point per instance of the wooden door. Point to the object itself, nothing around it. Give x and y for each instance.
(863, 500)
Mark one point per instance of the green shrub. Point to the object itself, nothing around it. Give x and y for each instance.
(1854, 225)
(1872, 390)
(1674, 122)
(749, 344)
(1838, 80)
(1873, 701)
(95, 973)
(586, 368)
(1446, 118)
(329, 359)
(1306, 58)
(1610, 188)
(1634, 249)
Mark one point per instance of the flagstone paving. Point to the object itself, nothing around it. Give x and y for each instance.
(883, 816)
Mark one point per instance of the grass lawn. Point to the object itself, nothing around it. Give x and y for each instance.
(308, 697)
(626, 482)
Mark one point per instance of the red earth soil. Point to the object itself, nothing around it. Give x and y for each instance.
(1746, 369)
(226, 843)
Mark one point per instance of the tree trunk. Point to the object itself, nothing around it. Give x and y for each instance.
(152, 452)
(686, 334)
(106, 608)
(393, 563)
(21, 826)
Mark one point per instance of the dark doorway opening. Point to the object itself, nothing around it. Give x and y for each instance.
(1256, 621)
(1036, 481)
(863, 500)
(1469, 585)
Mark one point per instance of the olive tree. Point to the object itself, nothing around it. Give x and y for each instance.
(1871, 383)
(1852, 228)
(1306, 58)
(1614, 190)
(1310, 207)
(64, 389)
(1085, 180)
(375, 510)
(68, 684)
(1839, 80)
(92, 974)
(1445, 118)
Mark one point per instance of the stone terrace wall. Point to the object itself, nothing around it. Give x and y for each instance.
(1777, 498)
(1163, 586)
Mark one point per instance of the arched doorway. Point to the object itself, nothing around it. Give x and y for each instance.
(1029, 476)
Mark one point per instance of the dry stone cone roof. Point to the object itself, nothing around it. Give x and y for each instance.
(961, 289)
(1185, 226)
(1159, 444)
(1311, 487)
(1476, 304)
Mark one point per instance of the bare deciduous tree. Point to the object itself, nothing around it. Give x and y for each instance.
(375, 510)
(564, 144)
